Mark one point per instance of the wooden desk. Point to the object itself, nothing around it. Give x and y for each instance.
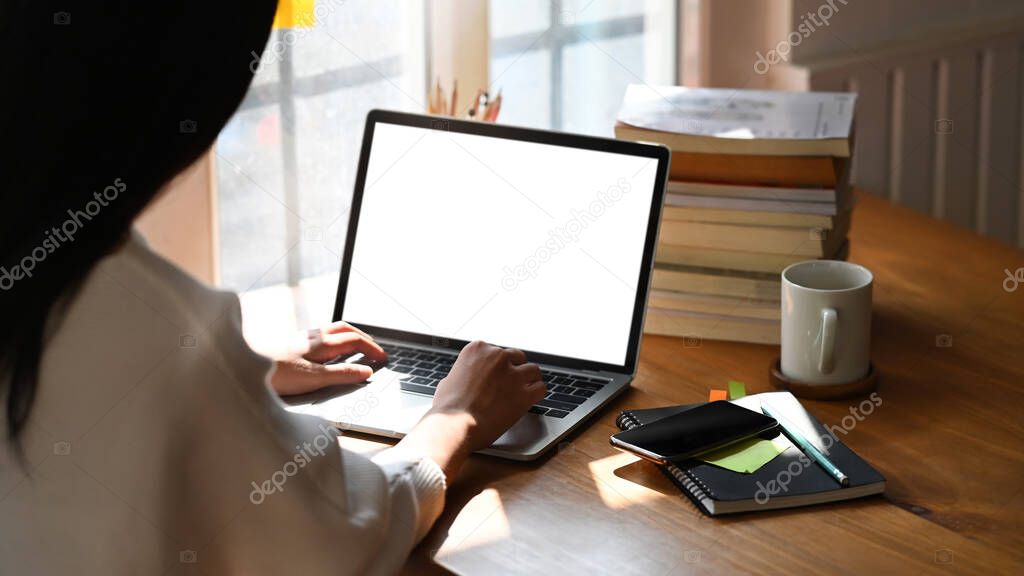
(948, 437)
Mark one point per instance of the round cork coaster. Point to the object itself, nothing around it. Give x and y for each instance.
(810, 391)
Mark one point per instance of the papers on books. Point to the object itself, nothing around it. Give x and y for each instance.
(724, 121)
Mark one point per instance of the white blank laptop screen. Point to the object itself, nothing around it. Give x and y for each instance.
(519, 244)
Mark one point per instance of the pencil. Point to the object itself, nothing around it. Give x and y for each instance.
(494, 108)
(438, 98)
(455, 97)
(476, 103)
(804, 445)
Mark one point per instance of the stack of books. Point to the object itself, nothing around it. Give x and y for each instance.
(758, 180)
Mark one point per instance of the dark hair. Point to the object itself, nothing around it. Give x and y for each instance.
(101, 99)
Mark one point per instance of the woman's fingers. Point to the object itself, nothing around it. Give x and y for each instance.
(299, 376)
(529, 372)
(344, 343)
(345, 373)
(536, 391)
(515, 356)
(339, 327)
(352, 342)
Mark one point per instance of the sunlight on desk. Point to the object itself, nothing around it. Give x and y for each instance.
(468, 531)
(614, 491)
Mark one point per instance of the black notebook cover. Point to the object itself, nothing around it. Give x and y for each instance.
(720, 491)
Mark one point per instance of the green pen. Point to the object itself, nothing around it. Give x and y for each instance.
(804, 445)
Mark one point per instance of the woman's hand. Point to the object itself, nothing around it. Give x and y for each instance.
(303, 369)
(493, 387)
(486, 392)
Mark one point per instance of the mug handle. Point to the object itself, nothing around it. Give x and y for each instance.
(826, 361)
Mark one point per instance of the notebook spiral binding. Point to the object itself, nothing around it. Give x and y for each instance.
(687, 484)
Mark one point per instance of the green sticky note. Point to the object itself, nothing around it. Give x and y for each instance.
(745, 457)
(737, 389)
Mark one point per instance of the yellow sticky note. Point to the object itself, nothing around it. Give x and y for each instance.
(295, 14)
(745, 457)
(716, 395)
(737, 389)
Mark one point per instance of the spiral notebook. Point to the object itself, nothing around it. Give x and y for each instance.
(788, 481)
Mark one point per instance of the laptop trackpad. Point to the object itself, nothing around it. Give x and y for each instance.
(523, 434)
(381, 406)
(377, 406)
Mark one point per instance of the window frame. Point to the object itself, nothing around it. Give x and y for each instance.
(462, 51)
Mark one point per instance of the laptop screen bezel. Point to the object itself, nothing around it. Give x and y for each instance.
(655, 152)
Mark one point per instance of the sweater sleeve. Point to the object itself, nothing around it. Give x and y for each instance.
(317, 508)
(417, 487)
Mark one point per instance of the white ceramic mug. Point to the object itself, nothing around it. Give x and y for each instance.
(826, 322)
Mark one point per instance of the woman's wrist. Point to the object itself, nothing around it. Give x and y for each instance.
(443, 435)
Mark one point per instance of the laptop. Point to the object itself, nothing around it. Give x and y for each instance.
(522, 238)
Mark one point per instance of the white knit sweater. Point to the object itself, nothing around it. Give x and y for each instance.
(156, 446)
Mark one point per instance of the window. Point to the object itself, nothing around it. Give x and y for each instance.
(566, 64)
(286, 162)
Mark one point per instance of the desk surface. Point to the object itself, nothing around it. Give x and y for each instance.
(948, 436)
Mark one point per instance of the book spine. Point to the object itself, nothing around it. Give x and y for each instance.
(687, 484)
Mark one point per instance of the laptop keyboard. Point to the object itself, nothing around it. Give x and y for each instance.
(424, 369)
